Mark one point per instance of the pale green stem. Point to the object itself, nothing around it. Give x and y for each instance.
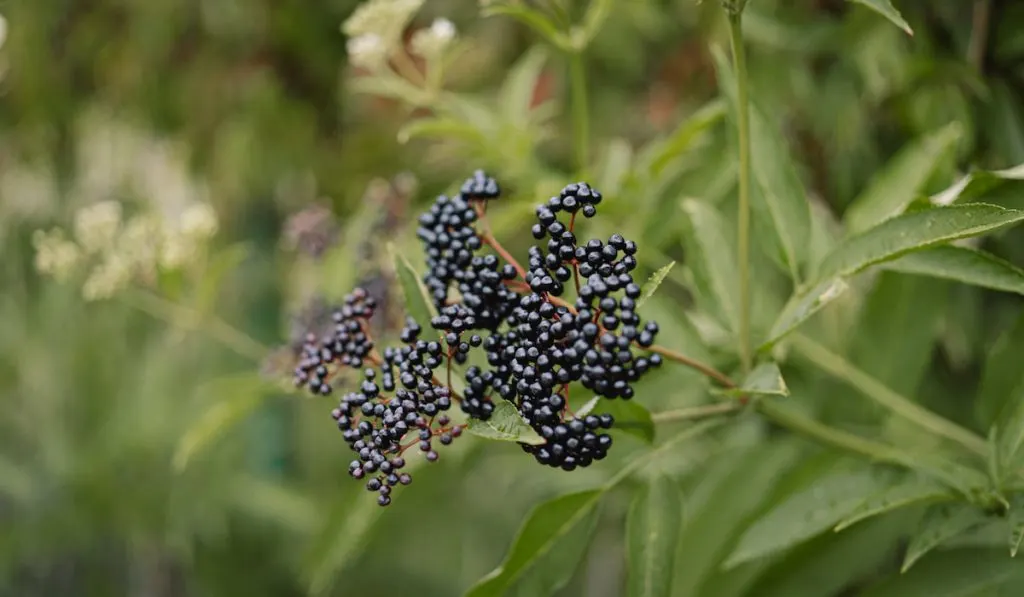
(884, 396)
(743, 217)
(697, 412)
(190, 320)
(580, 116)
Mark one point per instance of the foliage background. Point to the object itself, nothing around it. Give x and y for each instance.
(253, 98)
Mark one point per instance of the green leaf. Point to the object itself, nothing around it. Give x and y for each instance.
(1015, 520)
(558, 531)
(1010, 426)
(595, 17)
(953, 573)
(886, 9)
(804, 514)
(505, 424)
(441, 127)
(232, 398)
(214, 276)
(652, 534)
(764, 380)
(534, 19)
(630, 417)
(654, 282)
(1002, 376)
(912, 232)
(978, 185)
(802, 306)
(908, 492)
(517, 90)
(660, 154)
(782, 200)
(900, 182)
(941, 522)
(417, 300)
(712, 261)
(961, 264)
(588, 406)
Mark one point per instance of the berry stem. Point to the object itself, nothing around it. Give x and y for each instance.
(743, 218)
(706, 370)
(697, 412)
(488, 239)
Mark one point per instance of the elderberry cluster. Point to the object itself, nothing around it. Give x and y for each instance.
(452, 246)
(348, 345)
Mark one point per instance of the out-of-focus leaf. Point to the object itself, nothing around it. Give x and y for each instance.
(712, 261)
(652, 283)
(1015, 520)
(391, 87)
(887, 10)
(630, 417)
(535, 19)
(805, 514)
(517, 91)
(1002, 377)
(781, 200)
(1010, 427)
(232, 398)
(595, 17)
(726, 497)
(15, 483)
(961, 264)
(505, 424)
(652, 534)
(440, 128)
(976, 185)
(802, 306)
(417, 300)
(915, 231)
(953, 573)
(213, 278)
(764, 380)
(660, 154)
(895, 186)
(555, 532)
(909, 492)
(941, 522)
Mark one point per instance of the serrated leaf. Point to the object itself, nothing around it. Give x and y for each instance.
(505, 424)
(953, 573)
(517, 90)
(417, 300)
(652, 534)
(802, 306)
(940, 522)
(804, 514)
(630, 417)
(887, 10)
(764, 380)
(901, 180)
(712, 261)
(654, 282)
(781, 200)
(534, 19)
(558, 529)
(1015, 520)
(964, 265)
(442, 128)
(913, 232)
(232, 398)
(908, 492)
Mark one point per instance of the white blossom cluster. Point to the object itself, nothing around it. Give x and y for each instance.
(114, 252)
(375, 33)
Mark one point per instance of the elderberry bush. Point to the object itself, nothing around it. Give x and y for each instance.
(537, 343)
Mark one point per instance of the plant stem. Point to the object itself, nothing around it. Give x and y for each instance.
(743, 218)
(696, 412)
(706, 370)
(580, 116)
(884, 396)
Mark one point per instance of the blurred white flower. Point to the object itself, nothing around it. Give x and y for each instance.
(199, 221)
(432, 41)
(3, 30)
(97, 225)
(140, 243)
(55, 255)
(108, 278)
(176, 250)
(367, 51)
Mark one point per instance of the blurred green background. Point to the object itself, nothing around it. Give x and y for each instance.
(249, 104)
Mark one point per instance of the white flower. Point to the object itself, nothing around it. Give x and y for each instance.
(3, 30)
(199, 221)
(431, 42)
(140, 243)
(55, 255)
(96, 226)
(367, 51)
(109, 277)
(176, 250)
